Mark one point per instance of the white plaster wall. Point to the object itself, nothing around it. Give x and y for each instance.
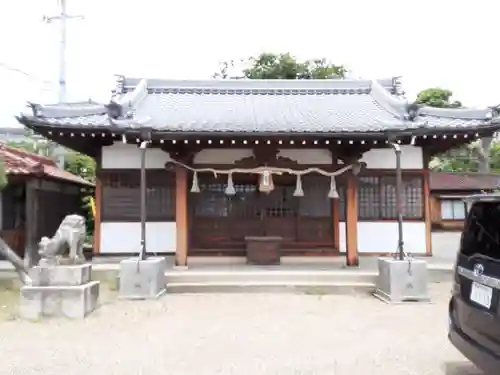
(126, 237)
(384, 158)
(121, 155)
(230, 155)
(307, 156)
(127, 156)
(343, 238)
(221, 156)
(382, 237)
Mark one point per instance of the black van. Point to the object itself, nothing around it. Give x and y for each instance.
(474, 309)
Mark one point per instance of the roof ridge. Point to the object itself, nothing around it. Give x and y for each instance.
(129, 83)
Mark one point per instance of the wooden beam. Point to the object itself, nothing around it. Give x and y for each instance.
(352, 257)
(427, 214)
(32, 221)
(97, 217)
(349, 154)
(181, 215)
(96, 245)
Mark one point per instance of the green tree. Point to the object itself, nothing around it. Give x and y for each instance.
(437, 97)
(80, 165)
(3, 175)
(474, 157)
(85, 167)
(282, 66)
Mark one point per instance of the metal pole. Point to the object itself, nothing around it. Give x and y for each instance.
(143, 252)
(62, 17)
(399, 201)
(62, 53)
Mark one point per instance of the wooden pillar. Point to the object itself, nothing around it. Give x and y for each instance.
(96, 245)
(31, 256)
(352, 258)
(426, 158)
(427, 213)
(97, 217)
(181, 215)
(336, 223)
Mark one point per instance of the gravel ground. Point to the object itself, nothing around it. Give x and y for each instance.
(238, 334)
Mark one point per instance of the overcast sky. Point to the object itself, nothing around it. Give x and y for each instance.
(445, 43)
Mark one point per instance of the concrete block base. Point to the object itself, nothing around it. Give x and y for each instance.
(74, 302)
(402, 281)
(68, 275)
(142, 279)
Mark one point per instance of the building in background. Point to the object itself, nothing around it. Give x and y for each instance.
(37, 197)
(449, 191)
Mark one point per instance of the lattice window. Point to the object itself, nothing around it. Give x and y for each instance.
(369, 198)
(245, 204)
(121, 196)
(377, 197)
(280, 202)
(212, 201)
(315, 202)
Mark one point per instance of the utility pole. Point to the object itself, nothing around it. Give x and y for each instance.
(62, 17)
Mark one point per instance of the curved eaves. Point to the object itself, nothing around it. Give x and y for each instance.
(63, 110)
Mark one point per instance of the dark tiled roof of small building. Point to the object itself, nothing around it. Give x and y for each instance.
(462, 181)
(20, 162)
(258, 106)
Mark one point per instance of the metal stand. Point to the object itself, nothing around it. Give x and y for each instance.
(399, 206)
(143, 252)
(143, 277)
(401, 279)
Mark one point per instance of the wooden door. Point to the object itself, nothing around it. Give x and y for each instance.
(219, 221)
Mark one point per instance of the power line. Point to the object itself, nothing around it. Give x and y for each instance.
(24, 73)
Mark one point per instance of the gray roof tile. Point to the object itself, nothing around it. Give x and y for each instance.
(261, 106)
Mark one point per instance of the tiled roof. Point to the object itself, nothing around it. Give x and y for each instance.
(258, 106)
(20, 162)
(458, 181)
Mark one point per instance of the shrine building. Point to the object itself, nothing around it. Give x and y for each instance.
(306, 161)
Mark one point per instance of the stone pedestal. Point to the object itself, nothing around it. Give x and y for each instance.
(142, 279)
(402, 280)
(59, 291)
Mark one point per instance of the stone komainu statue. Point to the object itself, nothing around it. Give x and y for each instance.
(70, 237)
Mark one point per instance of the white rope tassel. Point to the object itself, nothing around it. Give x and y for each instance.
(230, 185)
(299, 192)
(195, 187)
(333, 193)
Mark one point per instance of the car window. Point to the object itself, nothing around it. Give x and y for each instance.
(481, 234)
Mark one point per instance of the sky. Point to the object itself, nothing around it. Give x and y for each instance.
(430, 43)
